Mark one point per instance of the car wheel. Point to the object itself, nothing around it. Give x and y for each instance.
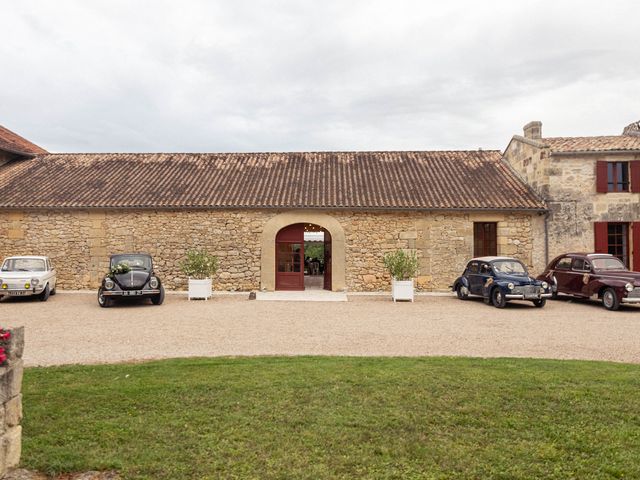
(497, 298)
(103, 301)
(53, 291)
(610, 299)
(158, 299)
(540, 303)
(44, 296)
(462, 292)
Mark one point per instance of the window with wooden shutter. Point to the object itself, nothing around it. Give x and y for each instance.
(634, 170)
(601, 177)
(618, 241)
(601, 237)
(485, 239)
(617, 176)
(635, 231)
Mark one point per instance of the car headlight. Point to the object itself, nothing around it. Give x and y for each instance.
(108, 283)
(545, 285)
(153, 282)
(4, 285)
(35, 281)
(27, 285)
(629, 287)
(511, 286)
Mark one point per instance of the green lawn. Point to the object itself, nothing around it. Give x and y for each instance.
(316, 418)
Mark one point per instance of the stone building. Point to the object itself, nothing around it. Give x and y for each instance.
(255, 211)
(591, 186)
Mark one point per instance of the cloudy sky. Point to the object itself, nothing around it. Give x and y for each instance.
(269, 75)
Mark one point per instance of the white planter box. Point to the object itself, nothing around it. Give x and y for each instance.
(200, 288)
(402, 290)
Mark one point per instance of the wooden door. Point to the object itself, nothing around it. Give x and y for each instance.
(327, 260)
(290, 258)
(485, 239)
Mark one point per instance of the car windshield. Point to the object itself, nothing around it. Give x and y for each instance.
(24, 265)
(134, 262)
(510, 267)
(611, 263)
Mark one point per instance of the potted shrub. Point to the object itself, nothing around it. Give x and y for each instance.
(402, 266)
(200, 267)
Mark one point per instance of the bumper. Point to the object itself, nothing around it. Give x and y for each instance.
(630, 300)
(521, 296)
(20, 292)
(147, 292)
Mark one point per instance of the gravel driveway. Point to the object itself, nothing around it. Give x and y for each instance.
(71, 328)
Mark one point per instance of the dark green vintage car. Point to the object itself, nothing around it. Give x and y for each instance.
(500, 279)
(130, 276)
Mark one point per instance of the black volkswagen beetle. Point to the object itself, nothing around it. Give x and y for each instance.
(130, 276)
(499, 279)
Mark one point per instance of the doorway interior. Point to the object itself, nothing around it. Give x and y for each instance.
(303, 258)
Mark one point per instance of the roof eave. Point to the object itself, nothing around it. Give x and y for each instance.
(594, 152)
(539, 209)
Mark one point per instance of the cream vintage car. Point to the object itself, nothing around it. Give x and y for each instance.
(24, 276)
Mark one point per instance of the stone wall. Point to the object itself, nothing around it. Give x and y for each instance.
(575, 205)
(531, 162)
(442, 241)
(11, 403)
(79, 242)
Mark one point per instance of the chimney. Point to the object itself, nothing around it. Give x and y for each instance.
(632, 129)
(533, 130)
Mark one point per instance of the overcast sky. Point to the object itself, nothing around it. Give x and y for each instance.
(126, 75)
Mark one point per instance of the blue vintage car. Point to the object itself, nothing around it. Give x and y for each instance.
(499, 279)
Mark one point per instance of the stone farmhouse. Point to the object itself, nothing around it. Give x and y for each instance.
(260, 212)
(591, 186)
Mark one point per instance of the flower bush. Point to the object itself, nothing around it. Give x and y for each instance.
(401, 265)
(199, 264)
(5, 338)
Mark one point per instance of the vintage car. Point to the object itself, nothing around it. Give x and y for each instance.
(499, 279)
(23, 276)
(130, 276)
(598, 276)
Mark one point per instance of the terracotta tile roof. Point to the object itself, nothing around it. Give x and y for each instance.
(592, 144)
(14, 143)
(358, 180)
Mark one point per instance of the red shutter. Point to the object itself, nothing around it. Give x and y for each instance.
(635, 176)
(601, 237)
(601, 177)
(636, 246)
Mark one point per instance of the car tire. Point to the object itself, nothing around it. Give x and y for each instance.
(53, 291)
(540, 303)
(610, 299)
(103, 301)
(158, 299)
(44, 296)
(497, 298)
(462, 292)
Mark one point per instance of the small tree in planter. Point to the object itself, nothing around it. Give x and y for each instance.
(200, 267)
(402, 267)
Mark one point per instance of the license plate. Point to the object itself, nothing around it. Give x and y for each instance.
(531, 297)
(17, 293)
(132, 292)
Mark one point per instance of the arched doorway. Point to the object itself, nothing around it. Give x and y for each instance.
(303, 257)
(336, 281)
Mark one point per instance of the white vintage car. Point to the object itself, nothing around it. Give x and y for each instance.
(23, 276)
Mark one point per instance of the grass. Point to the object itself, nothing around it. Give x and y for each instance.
(330, 417)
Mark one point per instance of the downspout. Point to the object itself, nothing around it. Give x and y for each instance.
(546, 237)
